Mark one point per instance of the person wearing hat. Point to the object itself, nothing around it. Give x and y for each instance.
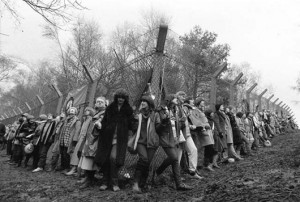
(113, 139)
(45, 141)
(88, 147)
(87, 117)
(27, 127)
(35, 136)
(188, 145)
(68, 137)
(146, 141)
(168, 123)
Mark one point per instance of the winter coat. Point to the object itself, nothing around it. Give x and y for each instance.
(37, 132)
(92, 136)
(74, 133)
(114, 120)
(237, 138)
(47, 133)
(220, 127)
(2, 129)
(163, 127)
(152, 137)
(56, 145)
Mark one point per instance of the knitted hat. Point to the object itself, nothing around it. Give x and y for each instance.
(149, 100)
(240, 114)
(91, 110)
(43, 117)
(181, 93)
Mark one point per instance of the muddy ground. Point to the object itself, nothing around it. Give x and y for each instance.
(272, 174)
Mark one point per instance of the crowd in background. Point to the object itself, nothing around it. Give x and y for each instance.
(98, 142)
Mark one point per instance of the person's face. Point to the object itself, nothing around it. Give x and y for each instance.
(181, 98)
(121, 100)
(174, 101)
(226, 110)
(99, 103)
(221, 108)
(24, 118)
(87, 112)
(202, 104)
(144, 105)
(244, 116)
(192, 102)
(212, 114)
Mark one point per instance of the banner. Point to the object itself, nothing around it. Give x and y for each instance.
(75, 98)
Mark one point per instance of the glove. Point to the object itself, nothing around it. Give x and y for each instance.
(221, 135)
(79, 154)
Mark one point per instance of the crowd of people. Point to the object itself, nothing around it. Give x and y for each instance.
(99, 141)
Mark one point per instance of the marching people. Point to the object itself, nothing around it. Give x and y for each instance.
(168, 124)
(113, 138)
(87, 149)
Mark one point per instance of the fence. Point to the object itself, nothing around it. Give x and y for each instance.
(166, 73)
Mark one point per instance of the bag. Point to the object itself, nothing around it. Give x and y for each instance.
(130, 144)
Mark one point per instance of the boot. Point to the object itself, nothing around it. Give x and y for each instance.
(215, 160)
(209, 168)
(137, 179)
(88, 182)
(72, 171)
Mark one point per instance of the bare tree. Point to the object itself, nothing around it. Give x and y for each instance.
(50, 10)
(6, 67)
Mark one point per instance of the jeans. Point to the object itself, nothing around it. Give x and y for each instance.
(43, 154)
(142, 168)
(172, 159)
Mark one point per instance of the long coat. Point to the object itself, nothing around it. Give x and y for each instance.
(92, 137)
(220, 126)
(237, 140)
(114, 120)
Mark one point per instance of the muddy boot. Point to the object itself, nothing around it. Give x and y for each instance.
(72, 171)
(215, 160)
(137, 179)
(88, 180)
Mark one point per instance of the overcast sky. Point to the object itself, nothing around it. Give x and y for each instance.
(264, 33)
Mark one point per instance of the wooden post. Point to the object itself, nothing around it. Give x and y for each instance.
(28, 106)
(248, 94)
(42, 104)
(232, 85)
(15, 112)
(278, 107)
(259, 99)
(268, 101)
(60, 99)
(213, 90)
(274, 104)
(20, 110)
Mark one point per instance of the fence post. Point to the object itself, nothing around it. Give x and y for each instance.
(42, 104)
(274, 104)
(259, 99)
(157, 67)
(6, 115)
(60, 99)
(278, 107)
(213, 90)
(28, 106)
(268, 101)
(232, 85)
(15, 112)
(20, 110)
(248, 94)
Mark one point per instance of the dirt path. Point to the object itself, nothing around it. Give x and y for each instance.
(273, 174)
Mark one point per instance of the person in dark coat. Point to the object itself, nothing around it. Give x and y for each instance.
(168, 124)
(237, 136)
(2, 133)
(112, 146)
